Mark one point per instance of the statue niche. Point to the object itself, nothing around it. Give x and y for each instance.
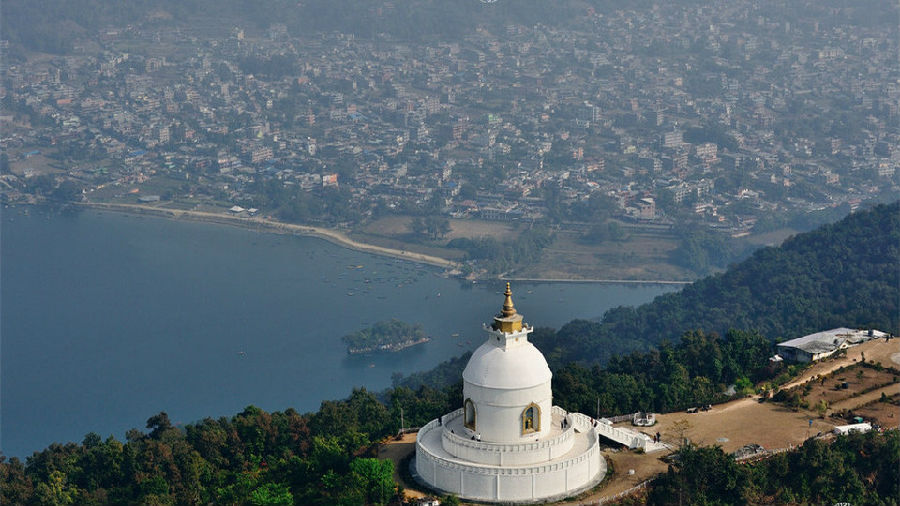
(470, 414)
(531, 419)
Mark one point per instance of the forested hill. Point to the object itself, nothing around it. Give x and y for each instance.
(844, 274)
(53, 25)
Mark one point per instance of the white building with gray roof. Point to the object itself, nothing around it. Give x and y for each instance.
(823, 344)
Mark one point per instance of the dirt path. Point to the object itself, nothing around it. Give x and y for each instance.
(622, 462)
(397, 451)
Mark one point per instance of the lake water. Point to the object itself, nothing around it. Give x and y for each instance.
(107, 319)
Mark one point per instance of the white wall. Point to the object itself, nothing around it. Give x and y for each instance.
(549, 481)
(499, 411)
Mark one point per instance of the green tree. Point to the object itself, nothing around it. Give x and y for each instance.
(56, 490)
(701, 475)
(375, 477)
(272, 494)
(417, 226)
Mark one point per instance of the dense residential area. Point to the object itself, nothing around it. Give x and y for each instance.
(745, 126)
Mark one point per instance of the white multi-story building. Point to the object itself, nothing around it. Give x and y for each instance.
(508, 443)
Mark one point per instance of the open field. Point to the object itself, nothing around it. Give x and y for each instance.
(398, 227)
(394, 232)
(772, 238)
(38, 164)
(884, 413)
(639, 257)
(741, 422)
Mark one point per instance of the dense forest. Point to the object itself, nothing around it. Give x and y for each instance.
(251, 458)
(841, 274)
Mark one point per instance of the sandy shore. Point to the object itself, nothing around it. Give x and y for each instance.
(269, 225)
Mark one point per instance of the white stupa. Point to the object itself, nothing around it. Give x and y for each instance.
(508, 443)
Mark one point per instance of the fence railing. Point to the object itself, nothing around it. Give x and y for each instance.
(625, 493)
(761, 455)
(620, 418)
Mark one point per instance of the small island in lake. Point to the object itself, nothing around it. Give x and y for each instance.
(389, 335)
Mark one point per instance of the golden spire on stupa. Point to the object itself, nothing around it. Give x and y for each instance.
(508, 308)
(508, 320)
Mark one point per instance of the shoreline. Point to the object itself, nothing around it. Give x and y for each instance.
(607, 281)
(266, 225)
(333, 236)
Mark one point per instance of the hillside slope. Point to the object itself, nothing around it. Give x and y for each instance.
(843, 274)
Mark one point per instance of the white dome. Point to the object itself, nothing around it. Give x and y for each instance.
(515, 367)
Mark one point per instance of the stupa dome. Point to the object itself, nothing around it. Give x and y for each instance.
(515, 367)
(508, 443)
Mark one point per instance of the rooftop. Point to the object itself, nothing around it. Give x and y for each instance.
(828, 340)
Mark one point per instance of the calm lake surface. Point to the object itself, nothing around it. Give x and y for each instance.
(108, 319)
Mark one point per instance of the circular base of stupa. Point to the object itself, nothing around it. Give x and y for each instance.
(580, 468)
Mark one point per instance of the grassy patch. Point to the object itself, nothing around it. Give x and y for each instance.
(640, 256)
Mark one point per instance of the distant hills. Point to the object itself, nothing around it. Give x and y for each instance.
(51, 25)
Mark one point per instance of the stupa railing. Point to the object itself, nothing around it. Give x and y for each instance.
(509, 446)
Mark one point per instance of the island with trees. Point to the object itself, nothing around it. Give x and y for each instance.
(389, 335)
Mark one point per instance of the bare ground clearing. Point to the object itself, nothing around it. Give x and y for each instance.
(38, 163)
(886, 414)
(853, 403)
(398, 227)
(772, 238)
(741, 422)
(857, 378)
